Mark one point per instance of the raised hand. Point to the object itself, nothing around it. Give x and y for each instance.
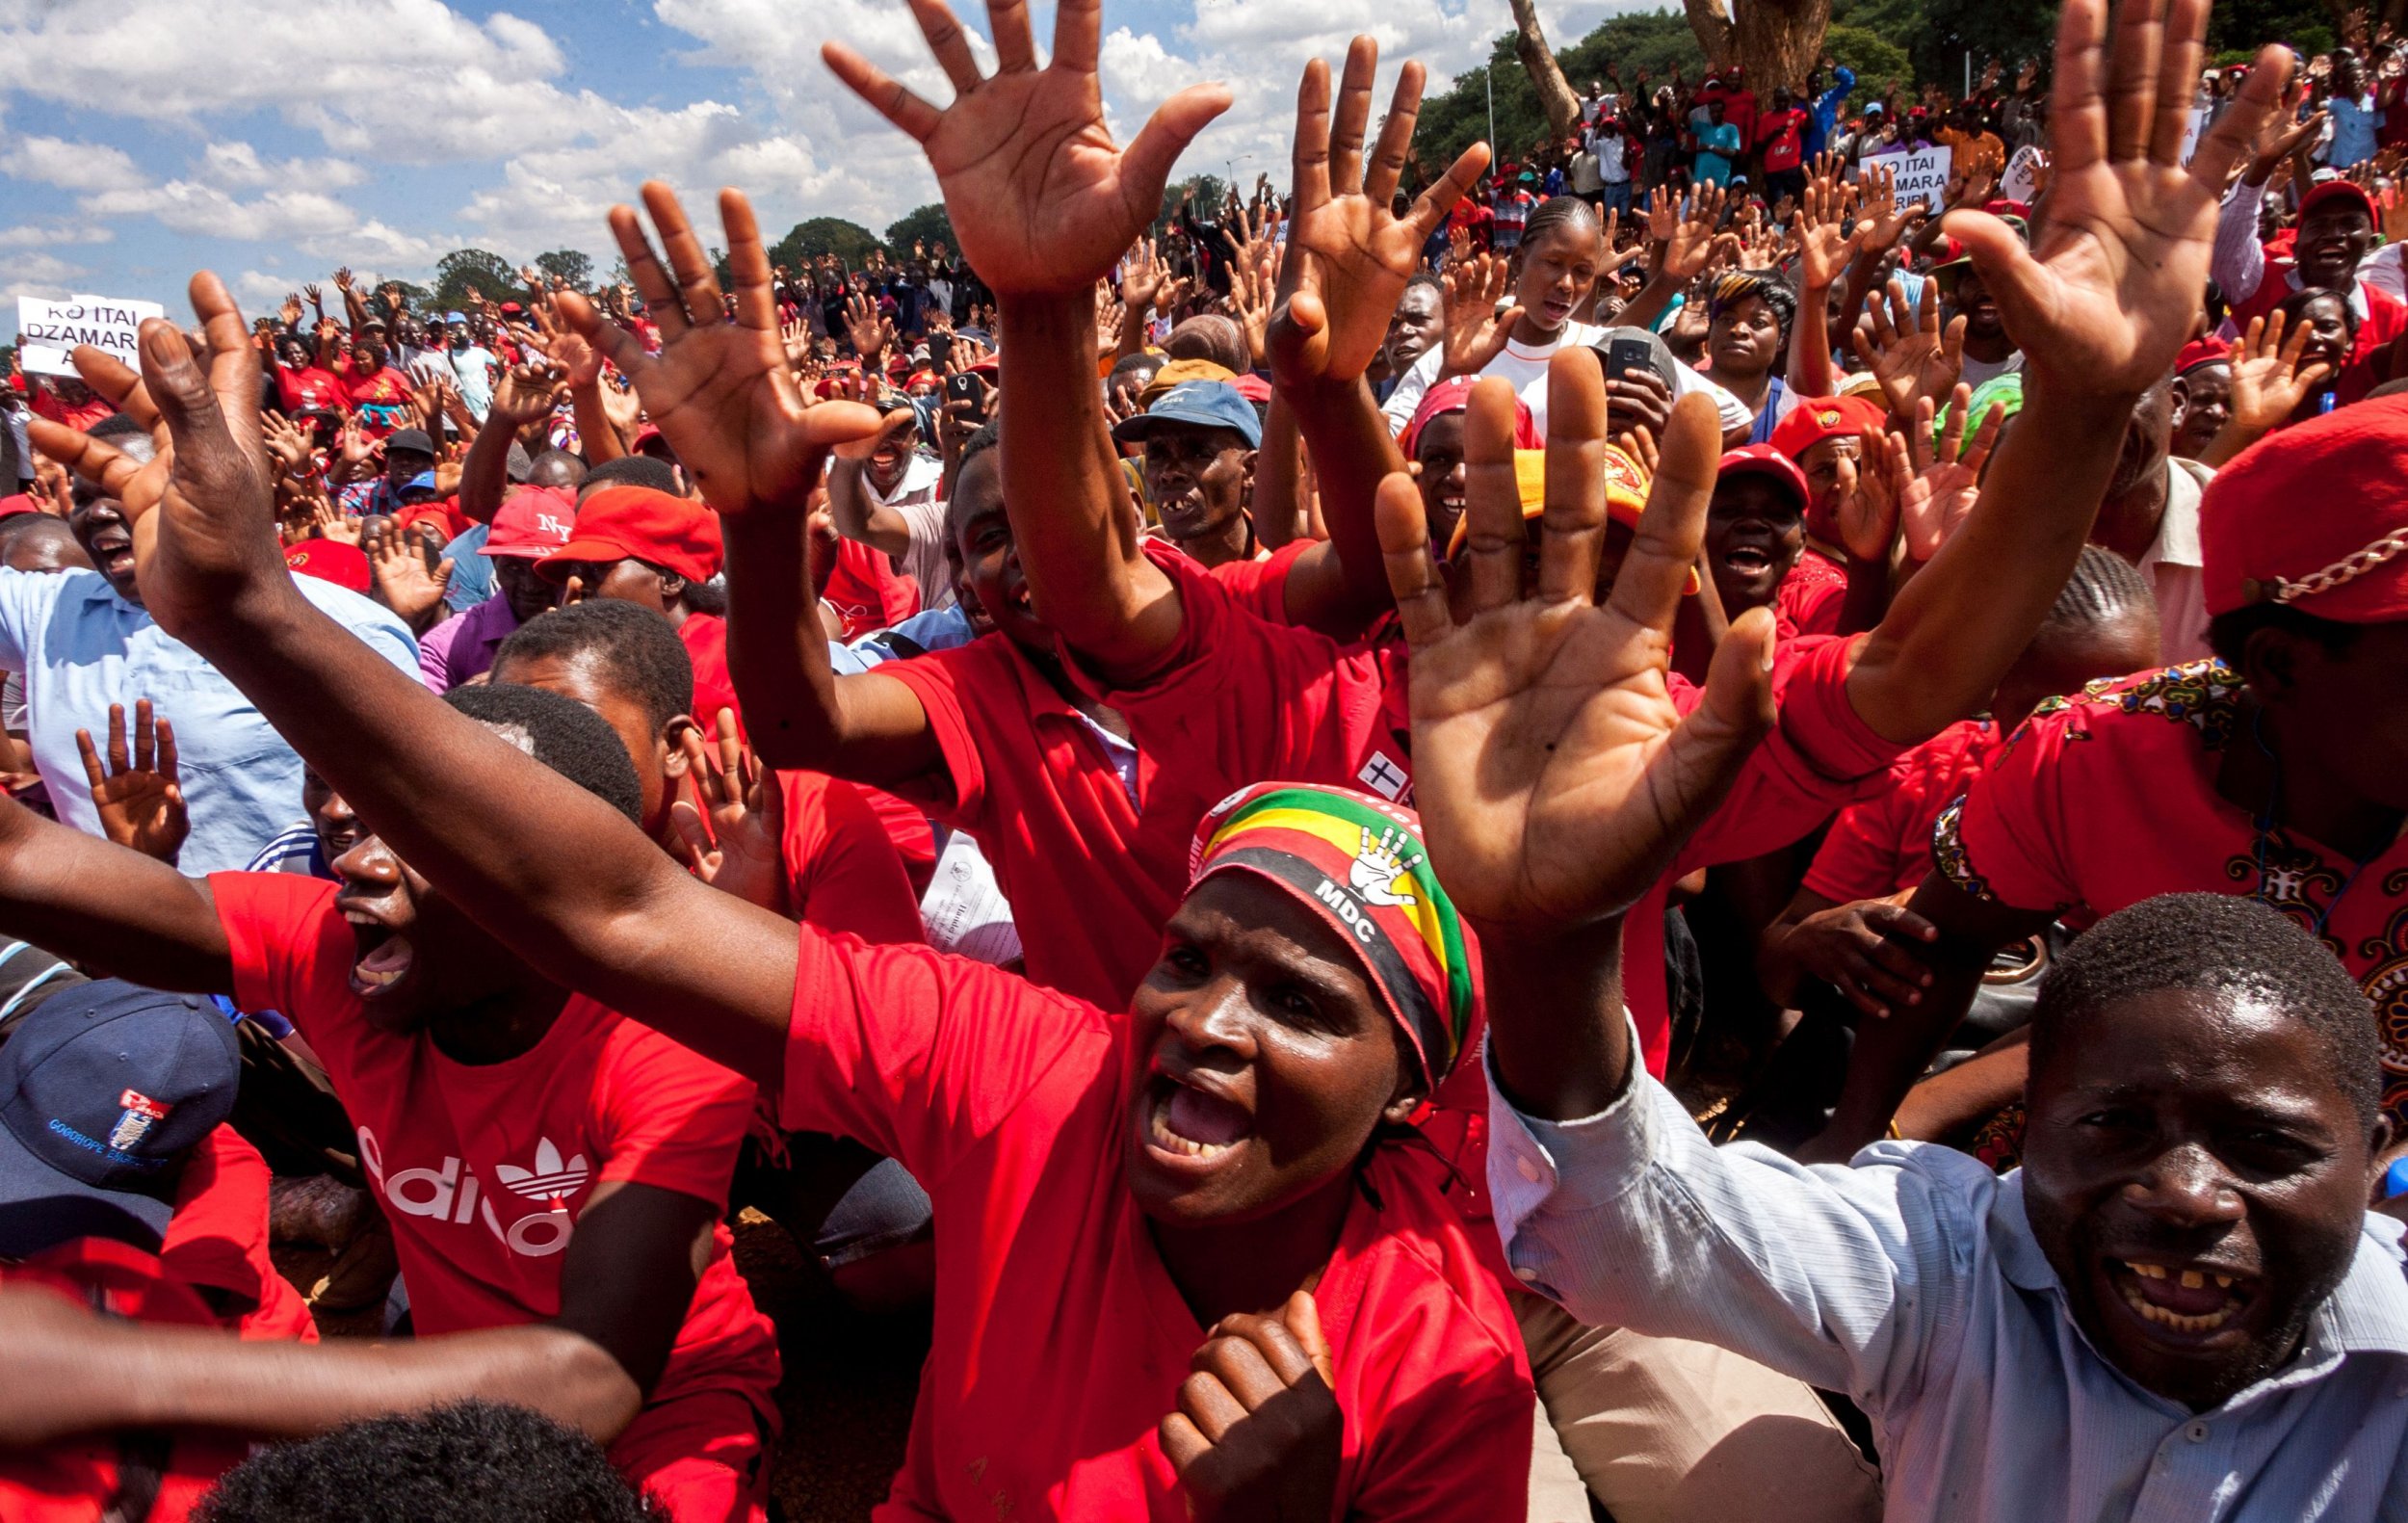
(1911, 355)
(1555, 774)
(1945, 479)
(140, 797)
(1040, 197)
(409, 580)
(719, 390)
(2268, 382)
(1476, 331)
(1142, 277)
(741, 850)
(1827, 251)
(1868, 510)
(526, 394)
(1883, 219)
(2105, 295)
(330, 522)
(1693, 240)
(865, 328)
(1350, 254)
(287, 446)
(1258, 1430)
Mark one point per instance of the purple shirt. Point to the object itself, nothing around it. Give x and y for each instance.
(462, 645)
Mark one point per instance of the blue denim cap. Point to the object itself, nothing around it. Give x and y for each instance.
(1203, 403)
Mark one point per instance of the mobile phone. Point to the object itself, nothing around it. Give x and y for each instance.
(1626, 355)
(965, 387)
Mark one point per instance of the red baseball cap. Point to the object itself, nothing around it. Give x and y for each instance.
(330, 560)
(533, 522)
(619, 523)
(2202, 352)
(2339, 190)
(1765, 460)
(17, 502)
(1815, 419)
(2272, 529)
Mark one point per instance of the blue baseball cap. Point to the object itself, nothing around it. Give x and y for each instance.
(105, 1089)
(456, 317)
(1200, 403)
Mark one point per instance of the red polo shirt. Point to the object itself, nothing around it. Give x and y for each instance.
(1060, 1338)
(1092, 870)
(705, 638)
(1882, 845)
(2109, 798)
(842, 873)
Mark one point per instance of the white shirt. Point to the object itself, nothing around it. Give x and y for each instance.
(2172, 565)
(1913, 1283)
(1526, 366)
(914, 499)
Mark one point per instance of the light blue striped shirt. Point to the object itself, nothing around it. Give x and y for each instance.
(1912, 1282)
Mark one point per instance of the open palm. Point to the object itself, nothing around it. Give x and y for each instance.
(1043, 199)
(1350, 255)
(2105, 296)
(1555, 773)
(719, 390)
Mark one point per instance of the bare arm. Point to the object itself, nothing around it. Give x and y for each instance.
(109, 908)
(858, 517)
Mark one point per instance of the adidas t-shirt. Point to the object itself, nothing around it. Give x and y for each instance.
(485, 1168)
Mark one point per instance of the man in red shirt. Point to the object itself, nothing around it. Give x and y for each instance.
(648, 548)
(554, 1173)
(1780, 139)
(2338, 228)
(2274, 771)
(66, 399)
(1878, 851)
(1830, 591)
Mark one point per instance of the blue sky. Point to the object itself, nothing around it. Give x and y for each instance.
(273, 140)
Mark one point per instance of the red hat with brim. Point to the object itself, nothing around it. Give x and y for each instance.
(18, 503)
(1765, 459)
(532, 523)
(2202, 352)
(345, 565)
(1815, 419)
(640, 523)
(2339, 190)
(2272, 529)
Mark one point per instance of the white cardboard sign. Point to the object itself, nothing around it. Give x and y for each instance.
(1921, 176)
(2022, 182)
(46, 330)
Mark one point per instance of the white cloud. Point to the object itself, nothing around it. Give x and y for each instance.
(32, 235)
(75, 165)
(38, 274)
(188, 207)
(238, 165)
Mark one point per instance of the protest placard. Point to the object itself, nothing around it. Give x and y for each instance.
(1921, 176)
(46, 330)
(2022, 181)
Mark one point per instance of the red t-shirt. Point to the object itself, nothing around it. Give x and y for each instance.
(1060, 1338)
(842, 873)
(46, 404)
(1779, 133)
(1092, 874)
(1882, 845)
(79, 1480)
(1813, 596)
(485, 1168)
(705, 638)
(311, 388)
(867, 592)
(2105, 799)
(1260, 587)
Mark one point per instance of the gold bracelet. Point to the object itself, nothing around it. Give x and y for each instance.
(1895, 1136)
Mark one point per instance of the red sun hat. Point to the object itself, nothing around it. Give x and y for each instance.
(2202, 352)
(2339, 190)
(1815, 419)
(345, 565)
(1765, 460)
(2273, 530)
(621, 523)
(532, 523)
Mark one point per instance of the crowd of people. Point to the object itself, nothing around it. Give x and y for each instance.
(1649, 834)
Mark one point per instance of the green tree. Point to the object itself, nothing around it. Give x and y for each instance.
(569, 265)
(850, 242)
(1207, 191)
(479, 270)
(1954, 30)
(1877, 61)
(927, 224)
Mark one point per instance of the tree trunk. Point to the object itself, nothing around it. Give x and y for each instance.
(1776, 41)
(1538, 60)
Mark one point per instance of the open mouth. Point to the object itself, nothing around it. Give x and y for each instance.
(385, 956)
(1746, 559)
(1555, 314)
(2186, 1302)
(1189, 1125)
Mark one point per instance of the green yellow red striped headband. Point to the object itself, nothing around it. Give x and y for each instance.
(1358, 862)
